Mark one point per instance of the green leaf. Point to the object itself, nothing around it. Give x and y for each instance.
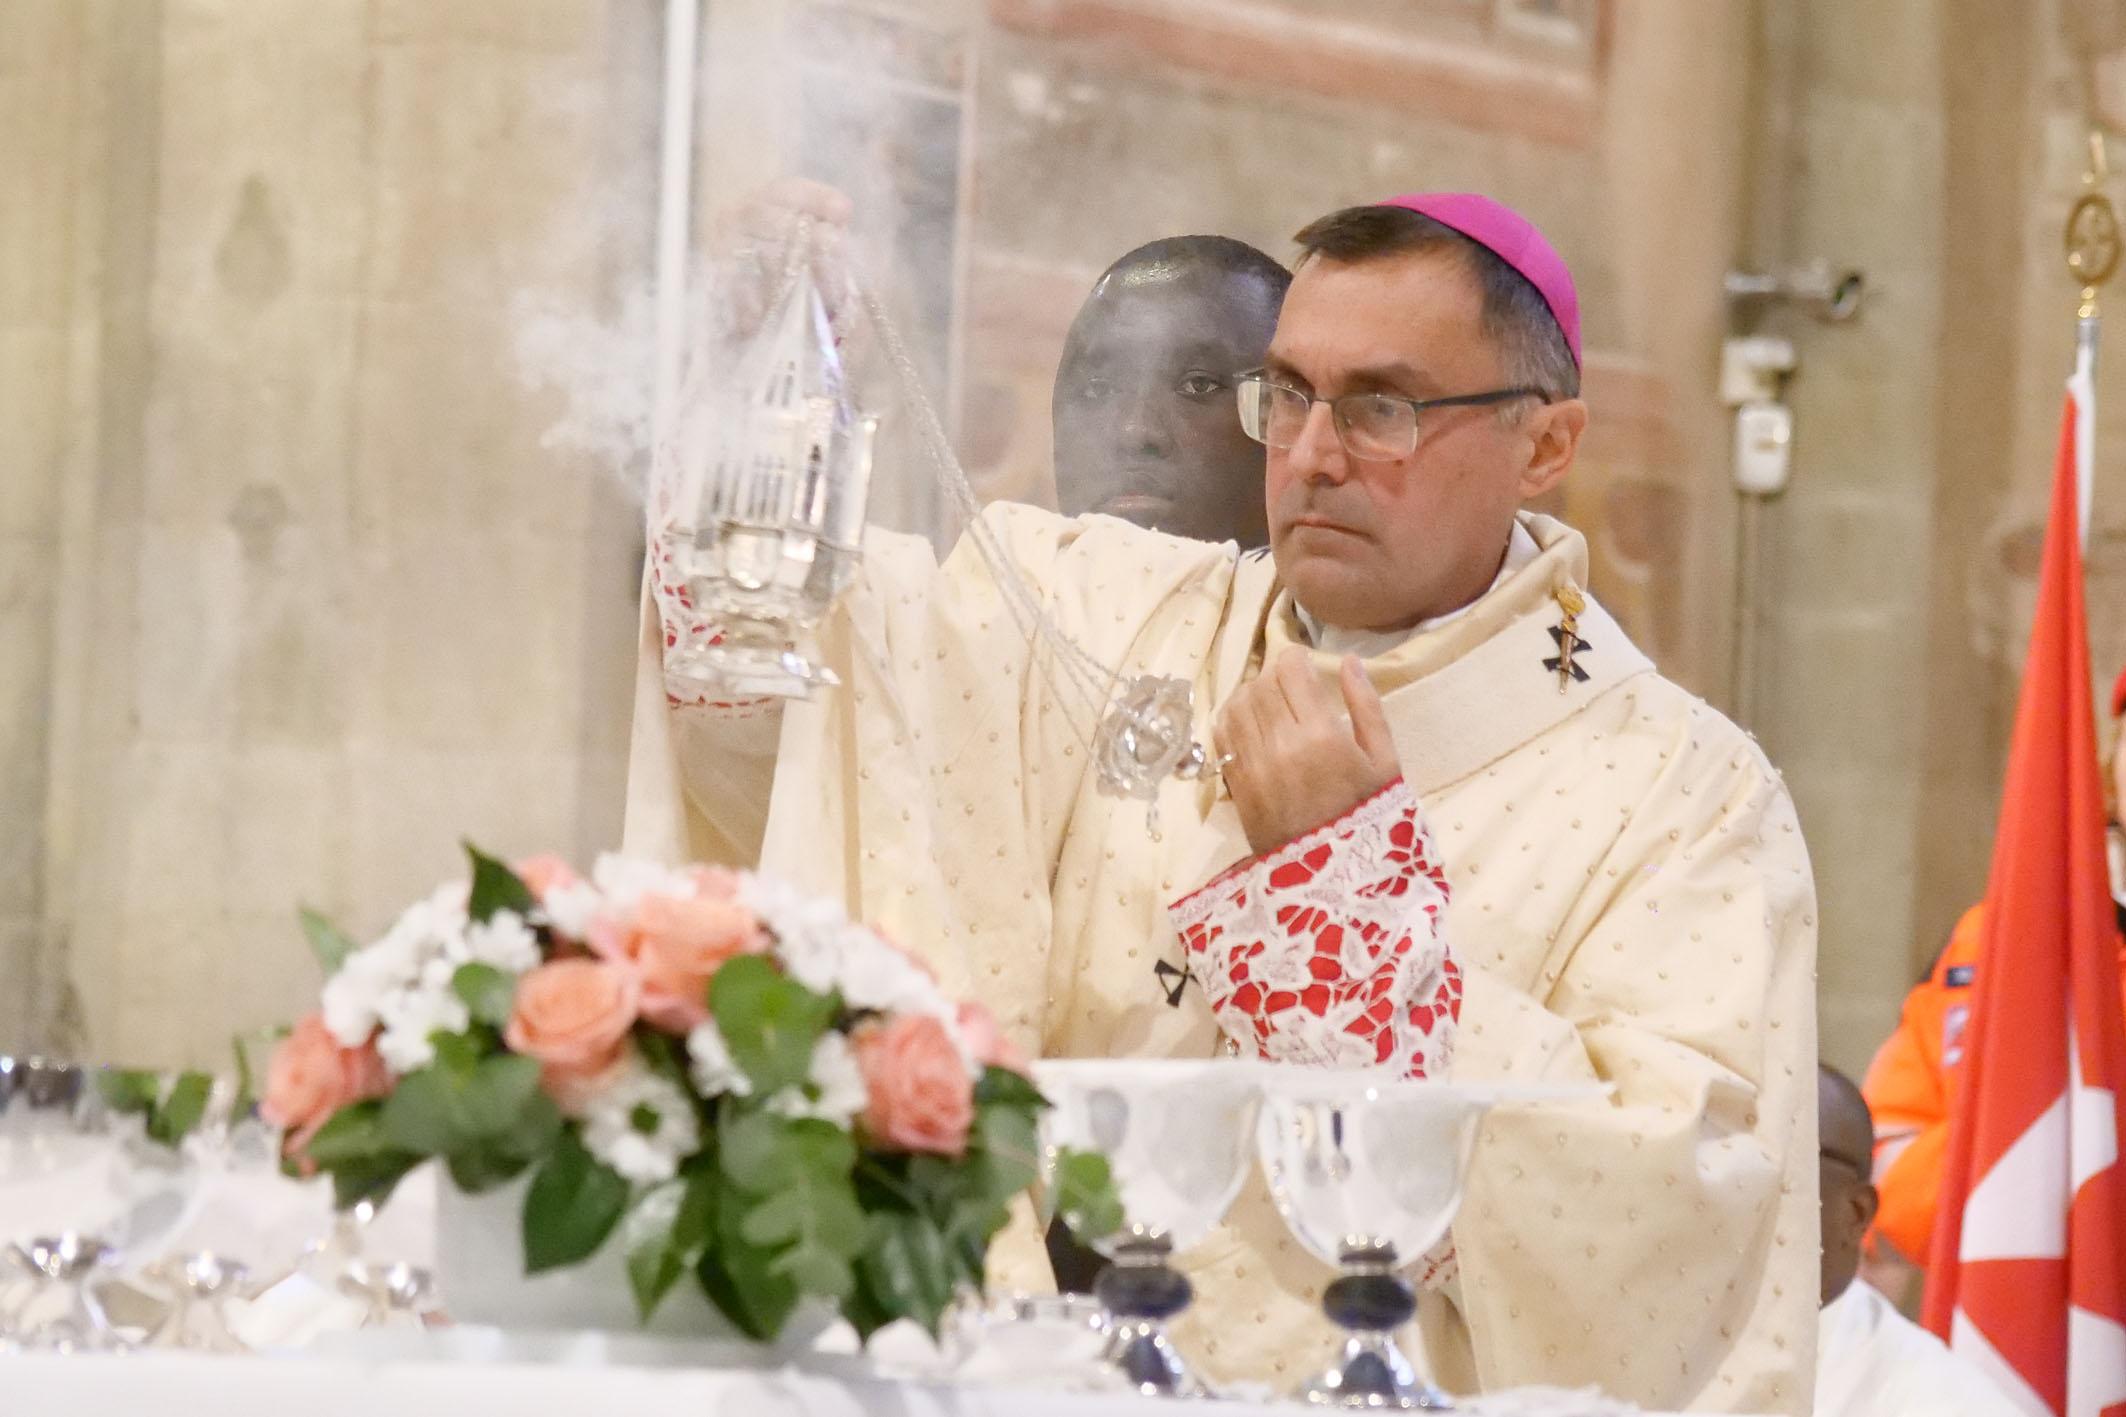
(653, 1267)
(572, 1207)
(792, 1200)
(817, 1270)
(354, 1133)
(532, 1135)
(695, 1225)
(750, 1149)
(1085, 1195)
(663, 1055)
(763, 1153)
(487, 992)
(352, 1147)
(128, 1092)
(1004, 1087)
(421, 1115)
(865, 1313)
(327, 942)
(487, 1114)
(908, 1270)
(481, 1169)
(971, 1198)
(768, 1020)
(501, 1090)
(456, 1052)
(495, 887)
(661, 1256)
(737, 1280)
(1008, 1150)
(793, 1215)
(373, 1179)
(246, 1074)
(173, 1120)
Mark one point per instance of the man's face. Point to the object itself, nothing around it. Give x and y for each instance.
(1382, 545)
(1146, 424)
(1845, 1157)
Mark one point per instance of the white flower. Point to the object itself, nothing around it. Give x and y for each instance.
(794, 917)
(813, 958)
(401, 983)
(435, 976)
(875, 975)
(833, 1090)
(625, 880)
(503, 941)
(714, 1071)
(409, 1016)
(571, 908)
(429, 927)
(642, 1126)
(350, 1002)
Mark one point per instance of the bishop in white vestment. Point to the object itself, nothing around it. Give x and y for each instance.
(1525, 856)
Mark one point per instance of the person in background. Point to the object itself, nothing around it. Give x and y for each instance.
(1872, 1361)
(1912, 1081)
(1143, 403)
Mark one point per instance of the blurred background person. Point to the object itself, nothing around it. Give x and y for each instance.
(1146, 427)
(1911, 1085)
(1872, 1361)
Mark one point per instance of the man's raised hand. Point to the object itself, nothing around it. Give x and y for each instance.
(1295, 760)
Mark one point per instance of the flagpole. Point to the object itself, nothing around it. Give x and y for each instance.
(2092, 249)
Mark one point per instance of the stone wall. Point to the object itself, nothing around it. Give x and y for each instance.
(304, 597)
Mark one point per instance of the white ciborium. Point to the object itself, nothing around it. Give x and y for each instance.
(1179, 1138)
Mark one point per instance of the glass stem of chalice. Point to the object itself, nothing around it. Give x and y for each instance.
(1141, 1290)
(1369, 1301)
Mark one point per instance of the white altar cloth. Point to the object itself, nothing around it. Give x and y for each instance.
(186, 1385)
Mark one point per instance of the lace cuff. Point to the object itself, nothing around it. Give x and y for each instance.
(1329, 950)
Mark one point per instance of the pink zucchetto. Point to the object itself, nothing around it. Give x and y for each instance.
(1514, 239)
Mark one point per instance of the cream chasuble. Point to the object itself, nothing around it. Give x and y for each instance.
(1631, 903)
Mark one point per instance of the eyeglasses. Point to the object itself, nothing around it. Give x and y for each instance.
(1372, 427)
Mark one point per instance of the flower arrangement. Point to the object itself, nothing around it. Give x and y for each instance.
(781, 1104)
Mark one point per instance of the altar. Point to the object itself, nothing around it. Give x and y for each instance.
(342, 1387)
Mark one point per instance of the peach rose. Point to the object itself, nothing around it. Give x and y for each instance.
(573, 1016)
(675, 947)
(921, 1096)
(715, 882)
(978, 1026)
(543, 875)
(310, 1077)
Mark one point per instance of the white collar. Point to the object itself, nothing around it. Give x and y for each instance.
(1368, 644)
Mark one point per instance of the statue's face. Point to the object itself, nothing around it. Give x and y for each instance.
(1146, 423)
(1381, 545)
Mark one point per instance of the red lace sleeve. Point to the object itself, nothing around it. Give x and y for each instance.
(1330, 950)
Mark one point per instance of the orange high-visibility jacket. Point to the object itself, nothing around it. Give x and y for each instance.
(1910, 1085)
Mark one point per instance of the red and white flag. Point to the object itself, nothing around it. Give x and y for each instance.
(2028, 1272)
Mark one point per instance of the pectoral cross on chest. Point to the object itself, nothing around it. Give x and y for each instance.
(1567, 634)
